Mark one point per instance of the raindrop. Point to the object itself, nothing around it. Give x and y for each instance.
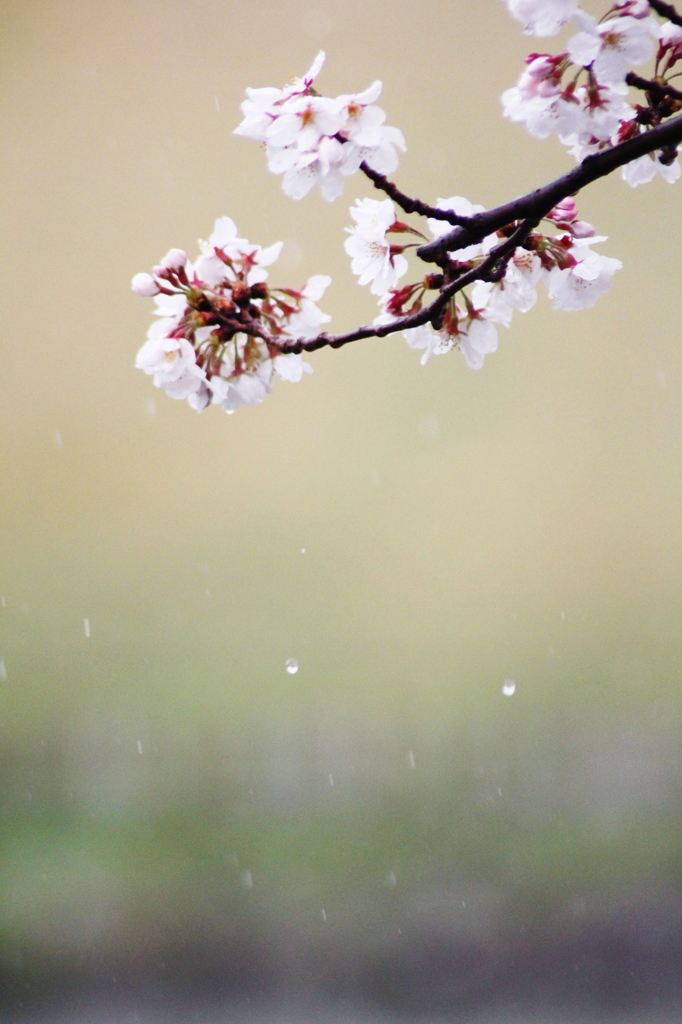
(410, 759)
(247, 880)
(499, 790)
(57, 438)
(374, 476)
(563, 615)
(509, 687)
(150, 407)
(302, 551)
(3, 603)
(292, 666)
(3, 670)
(391, 879)
(217, 103)
(86, 626)
(139, 746)
(331, 780)
(324, 915)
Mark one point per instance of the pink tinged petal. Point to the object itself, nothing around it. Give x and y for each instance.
(352, 158)
(669, 172)
(315, 68)
(268, 256)
(583, 48)
(282, 160)
(298, 182)
(201, 398)
(316, 286)
(291, 367)
(224, 231)
(640, 171)
(174, 259)
(283, 130)
(370, 95)
(331, 184)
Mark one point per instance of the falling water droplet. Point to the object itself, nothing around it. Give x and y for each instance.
(139, 746)
(57, 438)
(324, 915)
(410, 759)
(302, 551)
(247, 880)
(509, 687)
(86, 626)
(391, 879)
(3, 670)
(292, 666)
(331, 780)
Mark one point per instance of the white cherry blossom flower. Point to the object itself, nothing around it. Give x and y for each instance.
(612, 47)
(307, 321)
(171, 361)
(542, 17)
(580, 286)
(370, 252)
(263, 106)
(312, 139)
(303, 121)
(211, 269)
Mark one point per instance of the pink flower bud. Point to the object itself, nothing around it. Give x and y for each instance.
(633, 8)
(174, 259)
(581, 229)
(144, 284)
(669, 35)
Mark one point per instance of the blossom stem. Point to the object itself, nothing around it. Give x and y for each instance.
(540, 201)
(494, 263)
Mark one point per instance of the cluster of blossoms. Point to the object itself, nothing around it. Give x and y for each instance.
(311, 138)
(573, 274)
(222, 334)
(218, 327)
(581, 93)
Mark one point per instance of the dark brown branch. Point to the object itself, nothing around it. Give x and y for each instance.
(411, 205)
(666, 11)
(656, 89)
(538, 203)
(485, 270)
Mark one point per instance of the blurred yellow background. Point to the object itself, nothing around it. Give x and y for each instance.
(166, 784)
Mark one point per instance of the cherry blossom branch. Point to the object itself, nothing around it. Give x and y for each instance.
(666, 11)
(408, 204)
(539, 202)
(492, 267)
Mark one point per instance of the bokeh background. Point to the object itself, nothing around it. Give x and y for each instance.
(188, 831)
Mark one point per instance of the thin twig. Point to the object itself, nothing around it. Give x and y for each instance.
(539, 202)
(425, 315)
(408, 204)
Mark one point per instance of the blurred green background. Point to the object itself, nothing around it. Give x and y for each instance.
(385, 826)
